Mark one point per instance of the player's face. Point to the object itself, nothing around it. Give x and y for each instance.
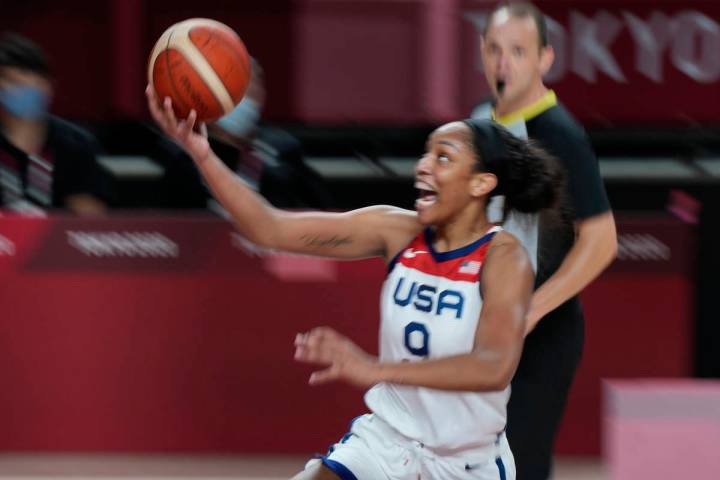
(446, 176)
(513, 59)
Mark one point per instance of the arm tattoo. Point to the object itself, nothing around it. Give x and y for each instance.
(332, 242)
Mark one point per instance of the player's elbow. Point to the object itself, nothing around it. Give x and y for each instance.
(495, 370)
(496, 381)
(497, 384)
(505, 374)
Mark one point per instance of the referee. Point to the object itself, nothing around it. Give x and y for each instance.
(569, 249)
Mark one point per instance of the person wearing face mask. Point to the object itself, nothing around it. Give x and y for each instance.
(568, 251)
(269, 159)
(45, 162)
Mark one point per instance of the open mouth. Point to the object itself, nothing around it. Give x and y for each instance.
(426, 196)
(500, 86)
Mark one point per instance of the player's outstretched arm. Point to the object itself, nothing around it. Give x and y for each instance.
(506, 285)
(372, 231)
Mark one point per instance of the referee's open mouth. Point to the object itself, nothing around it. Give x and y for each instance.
(500, 86)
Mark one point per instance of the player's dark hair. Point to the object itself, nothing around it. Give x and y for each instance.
(529, 177)
(20, 52)
(523, 10)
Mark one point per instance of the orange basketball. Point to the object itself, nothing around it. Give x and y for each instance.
(200, 64)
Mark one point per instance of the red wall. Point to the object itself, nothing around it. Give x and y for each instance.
(99, 49)
(375, 61)
(151, 334)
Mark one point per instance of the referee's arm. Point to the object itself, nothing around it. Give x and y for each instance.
(596, 239)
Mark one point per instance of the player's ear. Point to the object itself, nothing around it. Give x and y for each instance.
(482, 184)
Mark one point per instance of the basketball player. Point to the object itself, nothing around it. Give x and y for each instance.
(453, 305)
(568, 254)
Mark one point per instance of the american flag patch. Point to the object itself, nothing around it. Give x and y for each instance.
(470, 267)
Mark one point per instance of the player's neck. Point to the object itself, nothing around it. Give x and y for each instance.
(504, 108)
(26, 135)
(460, 233)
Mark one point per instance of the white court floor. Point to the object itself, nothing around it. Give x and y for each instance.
(178, 467)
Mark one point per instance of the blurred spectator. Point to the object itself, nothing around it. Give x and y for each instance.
(45, 162)
(267, 158)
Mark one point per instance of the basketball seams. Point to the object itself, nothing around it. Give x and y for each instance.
(237, 58)
(178, 97)
(160, 47)
(194, 57)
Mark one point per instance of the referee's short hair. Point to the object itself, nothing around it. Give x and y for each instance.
(523, 10)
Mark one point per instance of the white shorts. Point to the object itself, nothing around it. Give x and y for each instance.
(373, 450)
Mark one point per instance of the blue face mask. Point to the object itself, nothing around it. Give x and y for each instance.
(243, 120)
(28, 103)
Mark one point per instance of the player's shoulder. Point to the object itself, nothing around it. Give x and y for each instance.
(386, 212)
(505, 248)
(397, 226)
(505, 240)
(387, 219)
(404, 222)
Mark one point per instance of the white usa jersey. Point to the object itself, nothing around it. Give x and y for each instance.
(430, 309)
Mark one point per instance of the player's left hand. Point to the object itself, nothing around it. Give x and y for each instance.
(344, 359)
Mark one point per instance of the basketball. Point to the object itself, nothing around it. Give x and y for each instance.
(200, 64)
